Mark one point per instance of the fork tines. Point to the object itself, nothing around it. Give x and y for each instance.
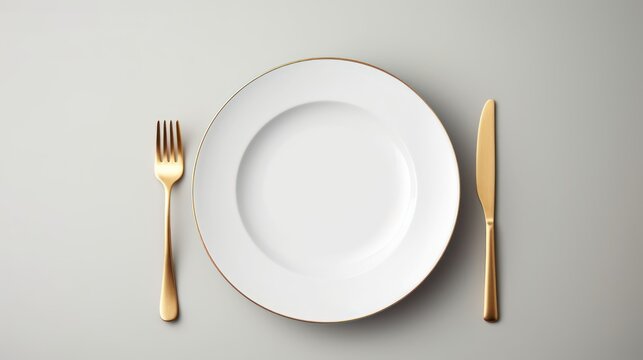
(165, 153)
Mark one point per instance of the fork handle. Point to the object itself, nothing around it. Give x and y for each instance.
(169, 306)
(490, 312)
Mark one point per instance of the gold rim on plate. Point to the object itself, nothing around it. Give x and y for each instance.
(196, 160)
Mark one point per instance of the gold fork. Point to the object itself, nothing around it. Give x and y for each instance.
(168, 168)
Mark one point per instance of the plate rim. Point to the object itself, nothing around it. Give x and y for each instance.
(198, 153)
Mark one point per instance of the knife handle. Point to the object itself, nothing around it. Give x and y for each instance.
(490, 312)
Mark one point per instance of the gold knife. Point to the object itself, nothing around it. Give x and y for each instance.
(486, 186)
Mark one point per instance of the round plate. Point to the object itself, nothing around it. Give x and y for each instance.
(325, 190)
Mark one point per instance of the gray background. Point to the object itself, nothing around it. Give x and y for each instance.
(82, 83)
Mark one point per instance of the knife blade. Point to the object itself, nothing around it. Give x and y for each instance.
(486, 188)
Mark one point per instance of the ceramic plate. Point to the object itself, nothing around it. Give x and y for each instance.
(325, 190)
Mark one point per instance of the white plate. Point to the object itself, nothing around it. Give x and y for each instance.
(325, 190)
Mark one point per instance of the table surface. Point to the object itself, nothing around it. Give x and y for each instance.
(81, 238)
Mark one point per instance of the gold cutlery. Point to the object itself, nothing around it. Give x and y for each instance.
(486, 186)
(168, 168)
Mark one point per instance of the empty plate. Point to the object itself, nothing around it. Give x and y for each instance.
(325, 190)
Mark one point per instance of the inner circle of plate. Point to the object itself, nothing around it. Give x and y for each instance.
(325, 190)
(363, 160)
